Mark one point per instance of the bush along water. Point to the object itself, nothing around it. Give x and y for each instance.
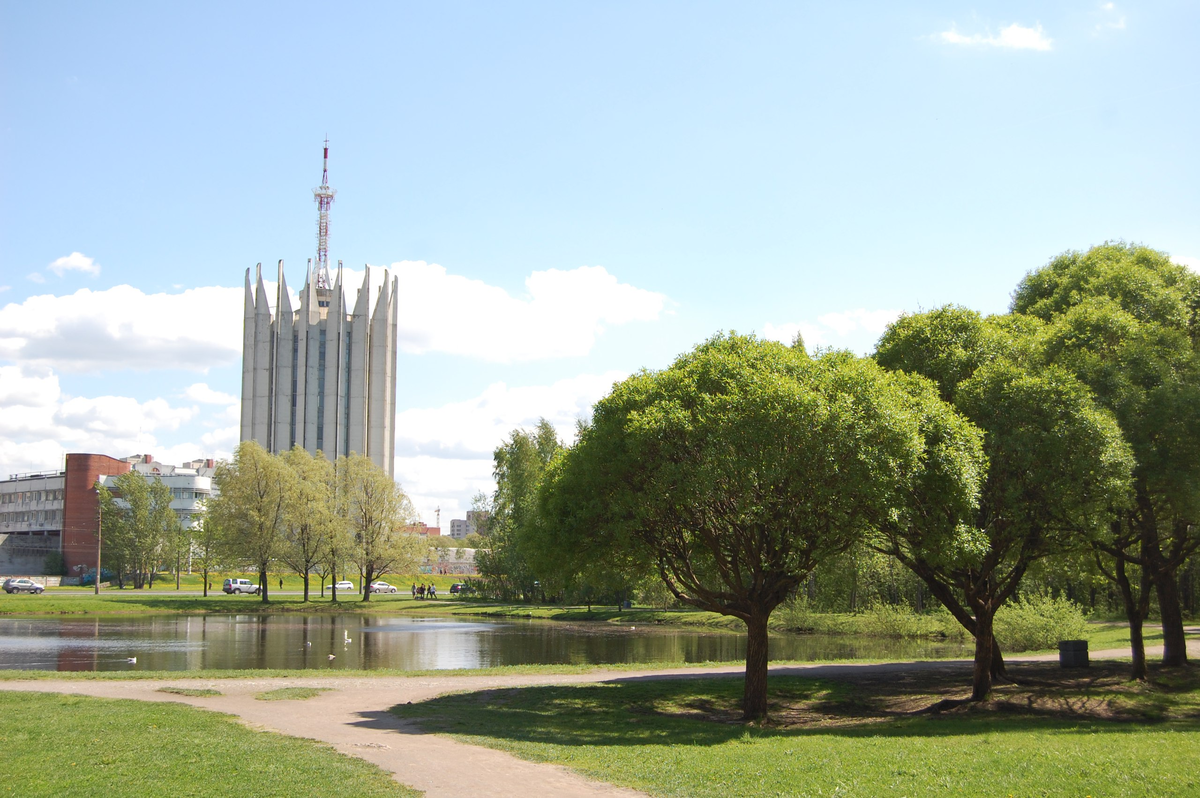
(1038, 621)
(880, 619)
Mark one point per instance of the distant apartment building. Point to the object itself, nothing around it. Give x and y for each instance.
(461, 527)
(56, 511)
(191, 484)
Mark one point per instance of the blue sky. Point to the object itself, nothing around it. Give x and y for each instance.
(568, 191)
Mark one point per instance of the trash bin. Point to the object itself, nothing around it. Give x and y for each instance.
(1073, 653)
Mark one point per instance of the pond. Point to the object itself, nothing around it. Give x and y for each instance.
(224, 642)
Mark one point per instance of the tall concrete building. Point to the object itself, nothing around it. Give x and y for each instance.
(321, 377)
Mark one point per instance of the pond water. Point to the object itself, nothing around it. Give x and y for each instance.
(222, 642)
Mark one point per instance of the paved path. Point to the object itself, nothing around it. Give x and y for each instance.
(353, 717)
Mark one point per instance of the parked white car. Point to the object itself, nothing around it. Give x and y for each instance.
(344, 586)
(382, 587)
(239, 586)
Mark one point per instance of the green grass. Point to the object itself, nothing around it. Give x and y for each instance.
(194, 692)
(683, 738)
(292, 693)
(71, 745)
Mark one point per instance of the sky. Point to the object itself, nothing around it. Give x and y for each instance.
(568, 192)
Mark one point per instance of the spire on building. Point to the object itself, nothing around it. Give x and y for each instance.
(323, 195)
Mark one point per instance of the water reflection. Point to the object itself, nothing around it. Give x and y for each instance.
(223, 642)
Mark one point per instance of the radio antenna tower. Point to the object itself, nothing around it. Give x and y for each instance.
(323, 195)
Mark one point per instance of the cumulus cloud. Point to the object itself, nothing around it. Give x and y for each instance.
(124, 328)
(444, 454)
(120, 328)
(856, 329)
(35, 277)
(560, 315)
(39, 423)
(75, 262)
(200, 392)
(1013, 37)
(1190, 262)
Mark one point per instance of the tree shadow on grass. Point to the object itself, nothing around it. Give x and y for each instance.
(699, 711)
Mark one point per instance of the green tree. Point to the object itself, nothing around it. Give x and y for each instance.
(308, 518)
(1056, 465)
(209, 545)
(138, 524)
(377, 513)
(741, 467)
(250, 507)
(1126, 321)
(520, 464)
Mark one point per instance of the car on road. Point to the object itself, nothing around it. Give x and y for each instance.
(239, 586)
(22, 586)
(344, 585)
(382, 587)
(461, 588)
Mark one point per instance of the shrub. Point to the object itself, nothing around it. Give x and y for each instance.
(1038, 621)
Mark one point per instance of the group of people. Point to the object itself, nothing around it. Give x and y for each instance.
(424, 591)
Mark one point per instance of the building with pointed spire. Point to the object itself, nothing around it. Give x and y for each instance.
(322, 377)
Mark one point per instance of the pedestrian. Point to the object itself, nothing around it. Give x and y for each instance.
(281, 583)
(414, 589)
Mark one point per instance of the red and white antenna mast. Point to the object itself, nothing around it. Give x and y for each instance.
(323, 195)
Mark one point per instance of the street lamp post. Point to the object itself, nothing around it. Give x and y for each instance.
(99, 534)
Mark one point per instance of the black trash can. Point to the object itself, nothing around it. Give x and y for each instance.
(1073, 653)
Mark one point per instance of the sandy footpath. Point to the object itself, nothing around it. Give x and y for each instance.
(353, 717)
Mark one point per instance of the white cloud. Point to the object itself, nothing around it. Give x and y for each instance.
(857, 329)
(1014, 37)
(4, 288)
(1112, 19)
(444, 454)
(38, 423)
(1190, 262)
(124, 328)
(561, 314)
(77, 262)
(35, 277)
(200, 392)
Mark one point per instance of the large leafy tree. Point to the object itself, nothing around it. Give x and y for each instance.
(138, 524)
(309, 520)
(1056, 465)
(377, 512)
(743, 465)
(251, 507)
(1126, 321)
(519, 466)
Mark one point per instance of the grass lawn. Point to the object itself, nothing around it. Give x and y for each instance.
(73, 745)
(292, 693)
(1058, 733)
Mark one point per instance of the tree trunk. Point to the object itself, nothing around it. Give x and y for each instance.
(262, 583)
(1135, 613)
(999, 672)
(368, 576)
(306, 586)
(754, 697)
(985, 644)
(204, 587)
(1174, 641)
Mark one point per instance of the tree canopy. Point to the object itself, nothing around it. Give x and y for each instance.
(744, 464)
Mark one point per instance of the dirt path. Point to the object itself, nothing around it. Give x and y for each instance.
(353, 717)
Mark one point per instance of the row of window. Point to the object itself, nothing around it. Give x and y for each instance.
(33, 517)
(19, 497)
(189, 493)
